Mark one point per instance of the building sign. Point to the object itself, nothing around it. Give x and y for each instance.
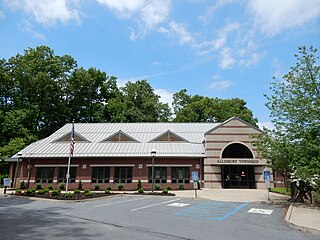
(6, 182)
(238, 161)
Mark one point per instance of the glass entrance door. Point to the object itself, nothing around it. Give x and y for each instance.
(237, 176)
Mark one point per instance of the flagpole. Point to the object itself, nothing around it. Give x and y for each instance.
(68, 171)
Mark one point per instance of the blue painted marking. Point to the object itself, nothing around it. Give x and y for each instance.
(212, 210)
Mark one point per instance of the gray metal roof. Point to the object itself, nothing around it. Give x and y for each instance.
(142, 132)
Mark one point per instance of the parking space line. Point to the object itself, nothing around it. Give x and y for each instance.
(153, 205)
(107, 204)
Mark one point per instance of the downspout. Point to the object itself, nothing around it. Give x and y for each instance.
(200, 173)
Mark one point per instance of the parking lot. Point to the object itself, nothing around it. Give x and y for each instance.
(141, 217)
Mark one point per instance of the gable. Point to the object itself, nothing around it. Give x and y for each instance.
(67, 138)
(169, 136)
(119, 137)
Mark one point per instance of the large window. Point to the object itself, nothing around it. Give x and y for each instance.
(62, 174)
(100, 175)
(123, 174)
(180, 175)
(44, 174)
(160, 175)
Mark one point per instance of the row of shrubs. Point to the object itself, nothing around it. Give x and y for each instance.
(120, 187)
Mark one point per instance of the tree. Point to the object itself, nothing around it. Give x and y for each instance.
(197, 108)
(294, 144)
(141, 104)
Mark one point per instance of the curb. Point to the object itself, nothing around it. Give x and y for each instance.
(296, 226)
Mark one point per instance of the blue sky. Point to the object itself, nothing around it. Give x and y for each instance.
(223, 48)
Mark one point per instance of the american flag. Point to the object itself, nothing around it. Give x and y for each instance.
(72, 141)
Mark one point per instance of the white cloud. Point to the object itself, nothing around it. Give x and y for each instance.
(2, 15)
(148, 14)
(227, 61)
(215, 7)
(184, 36)
(273, 16)
(268, 125)
(47, 12)
(27, 27)
(123, 8)
(165, 96)
(220, 84)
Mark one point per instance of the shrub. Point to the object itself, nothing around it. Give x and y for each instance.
(107, 191)
(61, 186)
(86, 191)
(89, 194)
(140, 190)
(281, 190)
(41, 192)
(169, 188)
(38, 187)
(33, 190)
(120, 186)
(157, 187)
(56, 192)
(29, 192)
(96, 187)
(165, 191)
(50, 187)
(181, 187)
(108, 188)
(80, 185)
(316, 198)
(77, 191)
(139, 186)
(46, 190)
(22, 186)
(18, 191)
(68, 195)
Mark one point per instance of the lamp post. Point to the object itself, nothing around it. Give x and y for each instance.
(153, 154)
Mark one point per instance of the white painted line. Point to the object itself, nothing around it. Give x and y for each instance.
(178, 204)
(260, 211)
(153, 205)
(107, 204)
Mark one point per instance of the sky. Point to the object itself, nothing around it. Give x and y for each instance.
(222, 48)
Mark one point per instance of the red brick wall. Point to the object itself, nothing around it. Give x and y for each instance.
(85, 174)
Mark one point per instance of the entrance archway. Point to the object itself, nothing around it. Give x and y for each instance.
(237, 176)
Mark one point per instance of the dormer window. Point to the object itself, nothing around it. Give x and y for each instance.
(119, 137)
(169, 136)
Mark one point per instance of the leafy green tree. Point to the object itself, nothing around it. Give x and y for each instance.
(197, 108)
(294, 144)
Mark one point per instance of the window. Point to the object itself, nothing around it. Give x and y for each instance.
(180, 175)
(123, 174)
(62, 173)
(100, 175)
(120, 137)
(160, 175)
(44, 175)
(169, 137)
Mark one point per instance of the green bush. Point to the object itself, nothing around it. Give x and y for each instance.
(50, 187)
(41, 192)
(107, 191)
(86, 191)
(139, 186)
(120, 186)
(56, 192)
(281, 190)
(108, 188)
(169, 188)
(68, 195)
(18, 191)
(157, 187)
(46, 190)
(22, 186)
(61, 186)
(140, 190)
(316, 198)
(29, 192)
(38, 187)
(89, 194)
(33, 190)
(77, 191)
(181, 187)
(96, 187)
(165, 191)
(80, 185)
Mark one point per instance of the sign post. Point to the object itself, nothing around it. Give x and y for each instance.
(266, 178)
(6, 183)
(195, 179)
